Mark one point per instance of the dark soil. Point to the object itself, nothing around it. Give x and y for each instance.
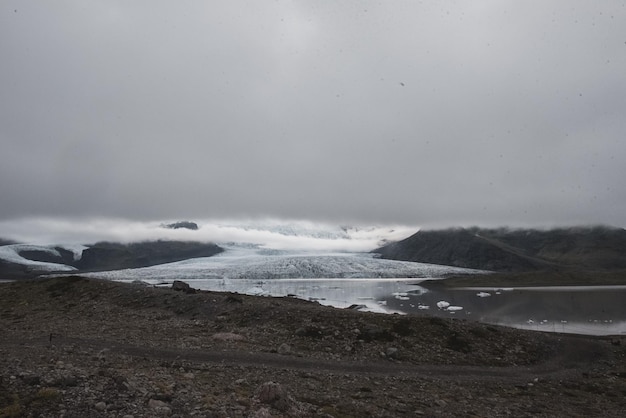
(78, 347)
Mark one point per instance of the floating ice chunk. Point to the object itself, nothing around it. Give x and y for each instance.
(423, 307)
(257, 290)
(396, 294)
(483, 294)
(402, 297)
(454, 308)
(442, 304)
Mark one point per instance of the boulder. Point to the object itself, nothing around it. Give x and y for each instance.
(181, 286)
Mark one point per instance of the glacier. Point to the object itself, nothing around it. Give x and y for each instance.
(11, 254)
(337, 279)
(256, 263)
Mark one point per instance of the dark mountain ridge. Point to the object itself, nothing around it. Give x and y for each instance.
(515, 250)
(112, 256)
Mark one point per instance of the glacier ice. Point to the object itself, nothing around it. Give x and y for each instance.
(11, 254)
(254, 263)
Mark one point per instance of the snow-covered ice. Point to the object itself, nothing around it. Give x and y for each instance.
(11, 254)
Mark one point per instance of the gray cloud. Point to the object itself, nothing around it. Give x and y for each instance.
(496, 112)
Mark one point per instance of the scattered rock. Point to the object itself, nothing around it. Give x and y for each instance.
(159, 407)
(392, 353)
(311, 331)
(459, 343)
(155, 403)
(284, 348)
(373, 333)
(234, 299)
(273, 394)
(181, 286)
(100, 406)
(441, 403)
(228, 336)
(31, 379)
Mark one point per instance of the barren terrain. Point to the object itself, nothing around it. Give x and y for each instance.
(78, 347)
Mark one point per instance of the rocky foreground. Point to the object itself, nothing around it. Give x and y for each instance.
(78, 347)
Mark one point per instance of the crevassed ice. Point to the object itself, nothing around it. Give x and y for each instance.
(253, 263)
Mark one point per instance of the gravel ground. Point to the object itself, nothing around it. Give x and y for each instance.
(78, 347)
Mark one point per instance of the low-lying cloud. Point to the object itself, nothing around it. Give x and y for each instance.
(267, 233)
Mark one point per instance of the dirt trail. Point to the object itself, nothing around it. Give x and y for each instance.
(240, 358)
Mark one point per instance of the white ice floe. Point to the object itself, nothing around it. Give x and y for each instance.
(423, 307)
(396, 294)
(442, 304)
(257, 291)
(454, 308)
(483, 294)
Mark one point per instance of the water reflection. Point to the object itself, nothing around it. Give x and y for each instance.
(584, 310)
(591, 310)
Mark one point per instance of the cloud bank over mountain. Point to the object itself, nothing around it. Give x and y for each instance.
(268, 233)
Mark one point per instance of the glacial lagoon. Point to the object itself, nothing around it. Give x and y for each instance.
(592, 310)
(341, 280)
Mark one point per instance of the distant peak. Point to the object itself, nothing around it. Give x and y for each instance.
(182, 224)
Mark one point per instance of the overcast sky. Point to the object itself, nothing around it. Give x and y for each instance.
(389, 112)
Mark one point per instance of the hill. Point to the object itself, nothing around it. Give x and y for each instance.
(515, 250)
(22, 260)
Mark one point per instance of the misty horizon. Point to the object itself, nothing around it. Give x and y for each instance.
(267, 232)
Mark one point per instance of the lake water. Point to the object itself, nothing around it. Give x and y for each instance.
(598, 310)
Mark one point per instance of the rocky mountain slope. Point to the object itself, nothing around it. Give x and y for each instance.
(515, 250)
